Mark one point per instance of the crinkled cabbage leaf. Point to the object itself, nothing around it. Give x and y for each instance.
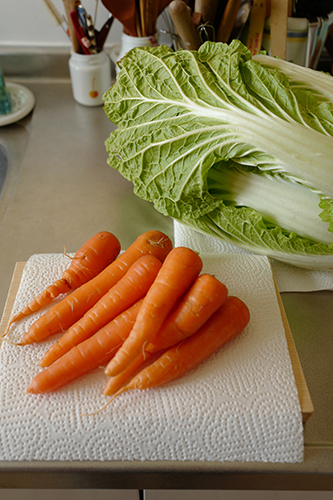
(236, 147)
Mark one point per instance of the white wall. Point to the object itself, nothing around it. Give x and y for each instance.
(28, 23)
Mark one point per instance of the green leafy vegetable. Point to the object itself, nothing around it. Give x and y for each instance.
(234, 146)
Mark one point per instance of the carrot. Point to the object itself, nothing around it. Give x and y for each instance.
(97, 253)
(180, 268)
(204, 297)
(72, 307)
(130, 288)
(225, 324)
(88, 355)
(117, 381)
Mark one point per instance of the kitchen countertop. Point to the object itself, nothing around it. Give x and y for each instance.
(65, 192)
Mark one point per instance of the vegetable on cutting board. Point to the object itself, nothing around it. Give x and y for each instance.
(97, 253)
(180, 269)
(64, 314)
(86, 356)
(235, 146)
(201, 301)
(225, 324)
(132, 287)
(160, 319)
(203, 298)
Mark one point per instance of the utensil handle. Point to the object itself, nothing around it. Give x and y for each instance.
(183, 24)
(69, 6)
(227, 21)
(79, 31)
(209, 10)
(279, 22)
(104, 31)
(256, 26)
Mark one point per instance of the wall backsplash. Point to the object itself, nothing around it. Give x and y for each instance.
(28, 23)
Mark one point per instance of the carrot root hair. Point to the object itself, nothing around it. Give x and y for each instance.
(123, 389)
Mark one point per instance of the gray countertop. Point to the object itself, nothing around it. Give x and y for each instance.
(64, 192)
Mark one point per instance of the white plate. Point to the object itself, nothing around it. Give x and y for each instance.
(23, 101)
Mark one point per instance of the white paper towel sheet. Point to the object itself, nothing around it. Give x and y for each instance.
(239, 405)
(288, 278)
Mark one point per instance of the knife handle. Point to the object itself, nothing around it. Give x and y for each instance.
(104, 31)
(184, 25)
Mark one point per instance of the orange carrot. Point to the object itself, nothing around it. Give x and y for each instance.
(204, 297)
(130, 288)
(117, 381)
(88, 355)
(63, 315)
(225, 324)
(97, 253)
(180, 268)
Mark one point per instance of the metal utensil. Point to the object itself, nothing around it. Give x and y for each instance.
(326, 21)
(241, 18)
(312, 34)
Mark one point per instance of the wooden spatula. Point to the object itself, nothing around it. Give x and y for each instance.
(124, 11)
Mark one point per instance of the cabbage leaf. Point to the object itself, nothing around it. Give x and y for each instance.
(234, 146)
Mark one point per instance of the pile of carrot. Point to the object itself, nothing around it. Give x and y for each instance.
(148, 314)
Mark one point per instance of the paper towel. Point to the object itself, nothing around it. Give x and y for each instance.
(239, 405)
(288, 278)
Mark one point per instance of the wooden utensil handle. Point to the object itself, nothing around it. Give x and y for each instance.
(256, 27)
(183, 24)
(69, 6)
(279, 22)
(227, 21)
(209, 10)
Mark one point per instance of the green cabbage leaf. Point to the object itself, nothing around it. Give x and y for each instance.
(237, 147)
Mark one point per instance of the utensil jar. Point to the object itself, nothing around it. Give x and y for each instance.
(130, 42)
(90, 76)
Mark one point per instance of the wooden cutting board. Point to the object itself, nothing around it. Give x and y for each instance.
(303, 392)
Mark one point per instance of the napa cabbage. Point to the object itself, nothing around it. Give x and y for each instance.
(235, 146)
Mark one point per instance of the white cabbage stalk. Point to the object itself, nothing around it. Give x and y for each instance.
(282, 202)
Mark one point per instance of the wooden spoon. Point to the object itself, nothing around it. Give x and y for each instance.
(124, 11)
